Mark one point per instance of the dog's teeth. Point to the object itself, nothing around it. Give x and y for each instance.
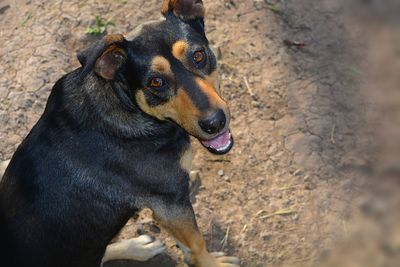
(225, 147)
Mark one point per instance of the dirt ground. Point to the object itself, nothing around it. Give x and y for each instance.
(313, 86)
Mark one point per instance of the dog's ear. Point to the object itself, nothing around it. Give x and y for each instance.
(184, 9)
(110, 62)
(105, 57)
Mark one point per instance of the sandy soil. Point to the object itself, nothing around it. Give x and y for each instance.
(312, 176)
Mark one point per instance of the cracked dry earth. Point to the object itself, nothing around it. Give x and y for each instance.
(304, 184)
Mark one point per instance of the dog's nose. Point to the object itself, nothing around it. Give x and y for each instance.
(214, 123)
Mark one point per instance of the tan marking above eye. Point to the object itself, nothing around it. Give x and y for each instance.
(161, 64)
(179, 49)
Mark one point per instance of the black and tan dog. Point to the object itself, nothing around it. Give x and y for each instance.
(114, 138)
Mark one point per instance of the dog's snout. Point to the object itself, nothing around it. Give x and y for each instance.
(214, 123)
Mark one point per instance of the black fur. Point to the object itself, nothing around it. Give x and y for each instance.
(91, 161)
(76, 179)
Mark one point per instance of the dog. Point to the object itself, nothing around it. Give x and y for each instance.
(115, 138)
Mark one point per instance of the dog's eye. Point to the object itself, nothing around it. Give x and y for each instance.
(199, 58)
(156, 82)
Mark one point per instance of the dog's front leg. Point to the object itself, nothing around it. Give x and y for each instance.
(179, 220)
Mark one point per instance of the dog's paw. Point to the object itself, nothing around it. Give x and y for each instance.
(140, 248)
(224, 261)
(145, 247)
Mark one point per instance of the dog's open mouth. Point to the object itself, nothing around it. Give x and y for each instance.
(220, 144)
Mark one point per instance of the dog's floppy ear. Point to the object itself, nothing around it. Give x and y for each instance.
(105, 57)
(184, 9)
(110, 62)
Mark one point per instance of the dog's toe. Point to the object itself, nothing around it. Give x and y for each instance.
(144, 239)
(155, 248)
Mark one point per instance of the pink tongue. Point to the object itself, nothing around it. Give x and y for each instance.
(219, 141)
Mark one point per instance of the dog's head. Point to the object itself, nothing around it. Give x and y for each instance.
(167, 70)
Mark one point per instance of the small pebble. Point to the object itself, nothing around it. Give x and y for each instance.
(266, 236)
(221, 173)
(310, 186)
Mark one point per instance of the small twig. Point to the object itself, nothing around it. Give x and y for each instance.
(279, 212)
(244, 229)
(248, 87)
(333, 134)
(218, 160)
(248, 12)
(260, 212)
(208, 209)
(289, 43)
(224, 241)
(303, 259)
(25, 20)
(288, 187)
